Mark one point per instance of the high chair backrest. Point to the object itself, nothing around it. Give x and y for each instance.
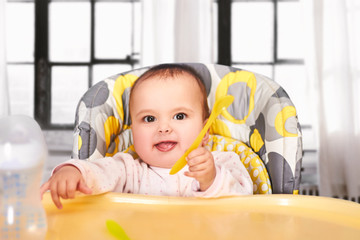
(262, 120)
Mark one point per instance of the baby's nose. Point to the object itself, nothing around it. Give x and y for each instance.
(164, 128)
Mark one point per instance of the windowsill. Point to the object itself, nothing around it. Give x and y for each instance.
(59, 140)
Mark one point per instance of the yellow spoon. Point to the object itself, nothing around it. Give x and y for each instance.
(221, 104)
(116, 230)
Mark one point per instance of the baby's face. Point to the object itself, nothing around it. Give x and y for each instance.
(166, 118)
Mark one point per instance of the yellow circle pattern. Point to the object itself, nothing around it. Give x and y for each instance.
(111, 128)
(280, 120)
(122, 82)
(220, 128)
(227, 81)
(112, 125)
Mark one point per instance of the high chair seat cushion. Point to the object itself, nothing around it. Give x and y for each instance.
(262, 117)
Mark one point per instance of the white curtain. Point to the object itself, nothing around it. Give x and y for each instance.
(333, 61)
(193, 31)
(4, 92)
(176, 31)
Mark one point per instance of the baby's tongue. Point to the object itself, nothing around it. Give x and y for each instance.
(165, 146)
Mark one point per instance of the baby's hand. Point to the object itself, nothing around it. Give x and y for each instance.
(201, 167)
(64, 183)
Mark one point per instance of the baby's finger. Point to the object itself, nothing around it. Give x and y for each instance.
(44, 188)
(62, 189)
(198, 167)
(55, 196)
(197, 152)
(71, 189)
(193, 161)
(197, 174)
(189, 174)
(82, 187)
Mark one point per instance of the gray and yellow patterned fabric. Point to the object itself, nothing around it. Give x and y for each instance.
(261, 125)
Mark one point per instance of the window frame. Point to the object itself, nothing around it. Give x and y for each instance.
(224, 38)
(43, 65)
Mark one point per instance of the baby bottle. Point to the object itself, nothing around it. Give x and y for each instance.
(22, 155)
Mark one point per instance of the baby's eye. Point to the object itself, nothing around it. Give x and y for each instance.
(180, 116)
(149, 118)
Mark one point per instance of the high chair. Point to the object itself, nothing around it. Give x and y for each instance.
(261, 125)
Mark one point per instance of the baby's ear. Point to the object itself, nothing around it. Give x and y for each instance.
(205, 138)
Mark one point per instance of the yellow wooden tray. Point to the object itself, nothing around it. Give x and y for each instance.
(244, 217)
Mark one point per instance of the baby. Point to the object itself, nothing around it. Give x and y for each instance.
(168, 109)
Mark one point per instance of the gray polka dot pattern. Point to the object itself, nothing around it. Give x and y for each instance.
(126, 99)
(276, 162)
(96, 95)
(88, 136)
(240, 107)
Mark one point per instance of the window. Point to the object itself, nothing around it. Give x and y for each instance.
(265, 36)
(20, 56)
(63, 56)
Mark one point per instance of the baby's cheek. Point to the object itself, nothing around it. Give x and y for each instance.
(141, 142)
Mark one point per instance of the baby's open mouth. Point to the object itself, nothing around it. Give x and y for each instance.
(165, 146)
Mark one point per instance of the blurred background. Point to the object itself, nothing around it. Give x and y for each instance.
(52, 51)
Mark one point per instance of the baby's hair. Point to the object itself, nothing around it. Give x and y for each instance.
(163, 71)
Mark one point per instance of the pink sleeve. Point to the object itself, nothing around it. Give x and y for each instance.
(232, 178)
(119, 173)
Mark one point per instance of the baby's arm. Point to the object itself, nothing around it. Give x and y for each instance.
(231, 177)
(64, 183)
(201, 167)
